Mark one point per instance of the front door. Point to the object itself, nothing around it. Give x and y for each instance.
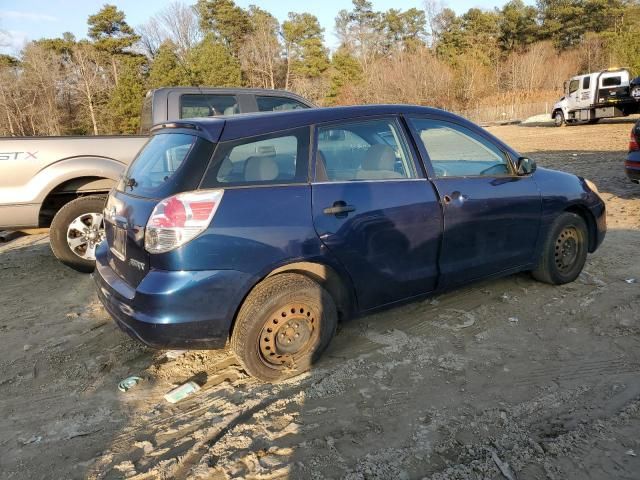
(374, 212)
(491, 215)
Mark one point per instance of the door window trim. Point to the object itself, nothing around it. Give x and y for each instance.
(427, 160)
(397, 119)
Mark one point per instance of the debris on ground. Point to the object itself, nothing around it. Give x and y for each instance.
(173, 354)
(128, 383)
(182, 392)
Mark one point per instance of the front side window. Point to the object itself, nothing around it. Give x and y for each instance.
(268, 159)
(363, 150)
(277, 104)
(198, 105)
(573, 86)
(456, 151)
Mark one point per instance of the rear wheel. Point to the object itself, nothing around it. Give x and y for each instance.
(76, 231)
(593, 121)
(283, 327)
(565, 251)
(558, 119)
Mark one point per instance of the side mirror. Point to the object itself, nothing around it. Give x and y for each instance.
(526, 166)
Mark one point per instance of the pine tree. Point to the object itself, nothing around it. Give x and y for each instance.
(111, 34)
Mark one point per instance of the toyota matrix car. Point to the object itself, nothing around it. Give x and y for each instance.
(267, 229)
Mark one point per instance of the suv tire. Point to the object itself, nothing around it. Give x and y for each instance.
(564, 252)
(283, 327)
(76, 230)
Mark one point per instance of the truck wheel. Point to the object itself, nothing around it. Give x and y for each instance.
(593, 121)
(558, 119)
(283, 327)
(565, 251)
(76, 231)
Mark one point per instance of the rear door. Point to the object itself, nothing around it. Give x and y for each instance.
(491, 215)
(374, 211)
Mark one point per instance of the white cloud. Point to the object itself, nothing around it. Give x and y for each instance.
(12, 41)
(28, 16)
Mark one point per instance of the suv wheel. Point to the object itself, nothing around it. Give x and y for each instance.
(283, 327)
(565, 251)
(76, 231)
(558, 119)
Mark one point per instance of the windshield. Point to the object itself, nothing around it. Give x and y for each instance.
(161, 169)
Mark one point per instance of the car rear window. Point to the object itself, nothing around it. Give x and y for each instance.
(611, 81)
(200, 105)
(277, 158)
(161, 169)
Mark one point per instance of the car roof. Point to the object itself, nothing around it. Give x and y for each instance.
(224, 128)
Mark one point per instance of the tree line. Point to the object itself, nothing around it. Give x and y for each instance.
(428, 56)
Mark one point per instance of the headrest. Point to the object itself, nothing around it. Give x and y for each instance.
(379, 157)
(260, 169)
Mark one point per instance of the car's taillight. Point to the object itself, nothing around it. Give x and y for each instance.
(633, 143)
(179, 219)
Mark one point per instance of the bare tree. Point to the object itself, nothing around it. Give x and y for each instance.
(260, 54)
(88, 78)
(176, 22)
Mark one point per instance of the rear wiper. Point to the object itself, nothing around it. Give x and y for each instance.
(131, 183)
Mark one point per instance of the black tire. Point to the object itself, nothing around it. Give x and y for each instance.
(276, 310)
(558, 119)
(564, 252)
(58, 232)
(593, 121)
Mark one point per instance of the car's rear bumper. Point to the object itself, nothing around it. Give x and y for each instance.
(173, 309)
(632, 167)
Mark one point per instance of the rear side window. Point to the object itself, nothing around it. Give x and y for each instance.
(201, 105)
(455, 151)
(277, 158)
(277, 104)
(586, 83)
(611, 81)
(362, 150)
(146, 117)
(161, 169)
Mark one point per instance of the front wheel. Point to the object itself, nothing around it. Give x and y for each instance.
(76, 231)
(283, 326)
(565, 251)
(558, 119)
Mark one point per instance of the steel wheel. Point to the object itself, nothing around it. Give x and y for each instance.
(288, 335)
(84, 234)
(566, 249)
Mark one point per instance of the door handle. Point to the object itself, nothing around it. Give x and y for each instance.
(339, 209)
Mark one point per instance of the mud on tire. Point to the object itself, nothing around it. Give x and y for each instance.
(564, 252)
(283, 326)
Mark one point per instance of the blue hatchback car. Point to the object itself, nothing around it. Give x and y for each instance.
(632, 164)
(267, 229)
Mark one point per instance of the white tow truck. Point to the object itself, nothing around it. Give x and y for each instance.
(606, 94)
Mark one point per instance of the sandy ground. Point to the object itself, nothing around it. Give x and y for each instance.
(503, 379)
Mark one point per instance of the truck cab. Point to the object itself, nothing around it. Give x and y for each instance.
(590, 97)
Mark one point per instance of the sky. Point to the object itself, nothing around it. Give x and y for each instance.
(25, 20)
